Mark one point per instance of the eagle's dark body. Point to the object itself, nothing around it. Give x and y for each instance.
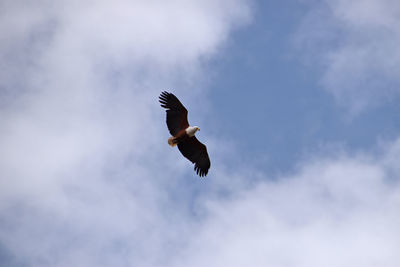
(183, 134)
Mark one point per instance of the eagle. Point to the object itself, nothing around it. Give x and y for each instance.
(183, 135)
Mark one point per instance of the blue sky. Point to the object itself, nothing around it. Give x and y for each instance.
(283, 111)
(297, 102)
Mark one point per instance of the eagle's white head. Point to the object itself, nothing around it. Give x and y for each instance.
(191, 130)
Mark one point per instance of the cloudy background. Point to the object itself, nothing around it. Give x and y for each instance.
(298, 105)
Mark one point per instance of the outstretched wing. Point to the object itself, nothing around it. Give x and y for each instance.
(196, 152)
(176, 113)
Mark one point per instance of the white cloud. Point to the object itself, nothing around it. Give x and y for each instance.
(83, 160)
(341, 211)
(81, 78)
(356, 43)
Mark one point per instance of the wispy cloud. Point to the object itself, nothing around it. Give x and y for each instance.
(83, 182)
(337, 211)
(356, 45)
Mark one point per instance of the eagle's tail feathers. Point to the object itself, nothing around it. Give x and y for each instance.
(172, 141)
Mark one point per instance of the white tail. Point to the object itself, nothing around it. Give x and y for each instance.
(172, 141)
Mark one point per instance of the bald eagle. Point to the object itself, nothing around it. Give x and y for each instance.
(183, 134)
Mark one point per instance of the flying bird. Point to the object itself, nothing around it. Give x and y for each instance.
(183, 135)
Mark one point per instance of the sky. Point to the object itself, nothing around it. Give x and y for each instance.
(297, 102)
